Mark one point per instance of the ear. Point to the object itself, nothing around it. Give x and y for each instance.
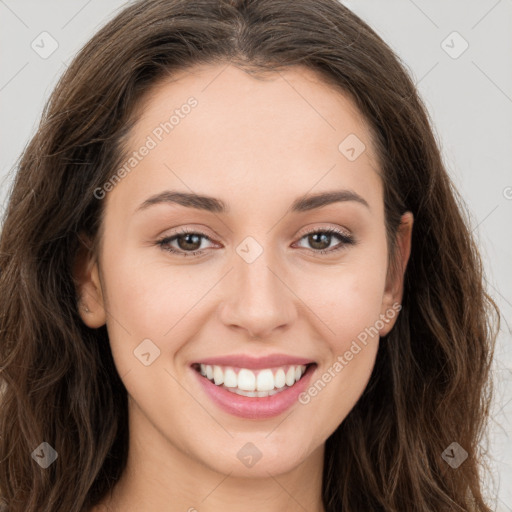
(394, 289)
(87, 283)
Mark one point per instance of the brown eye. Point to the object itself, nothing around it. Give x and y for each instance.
(188, 243)
(321, 239)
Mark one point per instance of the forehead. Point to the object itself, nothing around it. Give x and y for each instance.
(266, 134)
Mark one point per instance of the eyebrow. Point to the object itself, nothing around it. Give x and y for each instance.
(215, 205)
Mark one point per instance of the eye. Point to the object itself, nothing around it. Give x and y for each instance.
(321, 239)
(190, 242)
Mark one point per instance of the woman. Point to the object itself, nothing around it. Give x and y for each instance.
(235, 275)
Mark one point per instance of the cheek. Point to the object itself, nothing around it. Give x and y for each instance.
(347, 298)
(147, 293)
(349, 304)
(145, 301)
(348, 360)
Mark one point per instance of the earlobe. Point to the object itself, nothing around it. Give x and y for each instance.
(395, 279)
(88, 285)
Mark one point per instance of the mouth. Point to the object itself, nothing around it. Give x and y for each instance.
(253, 383)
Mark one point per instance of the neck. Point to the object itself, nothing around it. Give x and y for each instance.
(159, 477)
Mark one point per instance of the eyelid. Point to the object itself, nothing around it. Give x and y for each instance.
(336, 229)
(346, 239)
(188, 230)
(305, 231)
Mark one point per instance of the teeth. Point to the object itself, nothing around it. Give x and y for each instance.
(280, 379)
(230, 380)
(246, 380)
(290, 376)
(218, 375)
(265, 380)
(258, 383)
(259, 394)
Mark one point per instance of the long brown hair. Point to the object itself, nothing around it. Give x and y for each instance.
(430, 383)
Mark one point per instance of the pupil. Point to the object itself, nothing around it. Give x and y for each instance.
(314, 242)
(187, 243)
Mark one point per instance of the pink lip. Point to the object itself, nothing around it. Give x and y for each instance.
(255, 407)
(255, 363)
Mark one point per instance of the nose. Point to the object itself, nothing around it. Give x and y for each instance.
(257, 299)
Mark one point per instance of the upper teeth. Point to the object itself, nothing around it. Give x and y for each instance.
(258, 380)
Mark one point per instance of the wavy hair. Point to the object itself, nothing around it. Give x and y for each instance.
(430, 385)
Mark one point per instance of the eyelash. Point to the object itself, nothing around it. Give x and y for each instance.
(345, 240)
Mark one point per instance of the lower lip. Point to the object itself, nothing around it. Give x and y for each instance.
(255, 407)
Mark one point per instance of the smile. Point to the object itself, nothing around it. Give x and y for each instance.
(254, 388)
(253, 383)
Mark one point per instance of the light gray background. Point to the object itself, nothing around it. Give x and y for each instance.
(469, 98)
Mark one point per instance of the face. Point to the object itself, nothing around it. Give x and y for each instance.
(274, 285)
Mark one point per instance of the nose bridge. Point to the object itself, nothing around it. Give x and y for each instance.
(257, 300)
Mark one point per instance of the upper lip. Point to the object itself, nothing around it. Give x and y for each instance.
(256, 363)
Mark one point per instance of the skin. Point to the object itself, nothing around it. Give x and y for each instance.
(257, 144)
